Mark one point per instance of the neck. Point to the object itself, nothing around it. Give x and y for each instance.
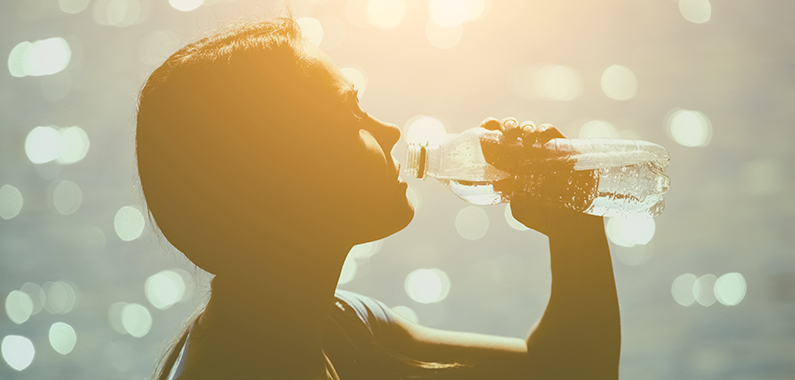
(273, 316)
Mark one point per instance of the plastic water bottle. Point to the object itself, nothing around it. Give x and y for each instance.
(604, 177)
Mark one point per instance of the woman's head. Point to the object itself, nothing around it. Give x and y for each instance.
(253, 138)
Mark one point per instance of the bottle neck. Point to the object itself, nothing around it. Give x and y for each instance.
(417, 159)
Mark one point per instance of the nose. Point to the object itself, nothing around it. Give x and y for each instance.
(387, 134)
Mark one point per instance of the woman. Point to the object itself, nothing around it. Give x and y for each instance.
(257, 163)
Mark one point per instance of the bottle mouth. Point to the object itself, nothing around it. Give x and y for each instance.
(416, 160)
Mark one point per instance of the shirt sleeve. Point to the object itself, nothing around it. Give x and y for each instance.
(372, 312)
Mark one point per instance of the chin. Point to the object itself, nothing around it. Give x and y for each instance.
(388, 222)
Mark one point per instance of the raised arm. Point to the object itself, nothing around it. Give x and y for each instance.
(579, 335)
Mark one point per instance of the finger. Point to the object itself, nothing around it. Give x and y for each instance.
(509, 123)
(548, 132)
(491, 124)
(529, 135)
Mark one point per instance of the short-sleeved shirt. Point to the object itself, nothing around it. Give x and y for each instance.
(355, 340)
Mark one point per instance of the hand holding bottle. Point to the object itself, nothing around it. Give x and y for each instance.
(522, 142)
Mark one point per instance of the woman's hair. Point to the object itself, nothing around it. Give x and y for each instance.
(215, 129)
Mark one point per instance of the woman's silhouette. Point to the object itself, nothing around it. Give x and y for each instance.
(257, 163)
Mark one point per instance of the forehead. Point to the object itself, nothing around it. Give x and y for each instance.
(325, 73)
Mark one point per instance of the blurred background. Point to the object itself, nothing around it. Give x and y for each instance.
(707, 290)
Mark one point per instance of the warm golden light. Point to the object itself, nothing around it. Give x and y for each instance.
(451, 13)
(357, 77)
(333, 32)
(619, 83)
(414, 198)
(598, 129)
(386, 14)
(558, 83)
(424, 129)
(311, 30)
(443, 37)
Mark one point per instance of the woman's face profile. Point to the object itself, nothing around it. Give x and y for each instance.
(364, 177)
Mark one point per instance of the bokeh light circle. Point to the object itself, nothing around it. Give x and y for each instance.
(425, 129)
(73, 6)
(136, 319)
(619, 83)
(17, 351)
(598, 129)
(690, 128)
(629, 231)
(185, 5)
(62, 337)
(74, 145)
(682, 289)
(451, 13)
(704, 289)
(164, 289)
(129, 223)
(357, 77)
(311, 30)
(386, 14)
(472, 223)
(730, 289)
(43, 144)
(19, 306)
(39, 58)
(558, 83)
(695, 11)
(36, 294)
(67, 197)
(427, 285)
(62, 297)
(11, 202)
